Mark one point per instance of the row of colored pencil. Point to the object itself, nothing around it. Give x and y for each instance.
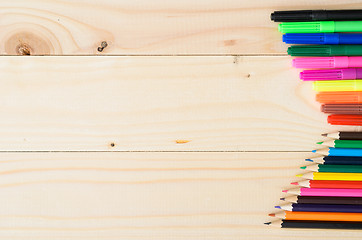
(330, 192)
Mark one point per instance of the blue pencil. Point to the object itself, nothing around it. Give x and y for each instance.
(347, 152)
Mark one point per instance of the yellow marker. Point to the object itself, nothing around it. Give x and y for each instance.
(337, 86)
(332, 176)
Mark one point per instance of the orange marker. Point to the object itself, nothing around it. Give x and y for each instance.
(319, 216)
(339, 97)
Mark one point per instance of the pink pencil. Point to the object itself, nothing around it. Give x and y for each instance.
(326, 192)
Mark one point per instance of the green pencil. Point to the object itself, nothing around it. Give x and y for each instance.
(342, 143)
(334, 168)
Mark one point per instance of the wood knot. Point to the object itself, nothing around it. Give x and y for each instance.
(26, 43)
(182, 141)
(104, 44)
(23, 49)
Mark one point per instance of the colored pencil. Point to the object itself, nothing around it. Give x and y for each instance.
(342, 119)
(342, 108)
(342, 143)
(329, 184)
(316, 225)
(339, 97)
(334, 168)
(319, 216)
(323, 200)
(325, 192)
(332, 176)
(345, 152)
(344, 135)
(296, 207)
(336, 160)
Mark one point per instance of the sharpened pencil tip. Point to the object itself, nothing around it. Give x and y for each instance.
(299, 175)
(267, 223)
(282, 199)
(294, 183)
(320, 143)
(278, 207)
(314, 151)
(271, 215)
(309, 160)
(324, 134)
(304, 167)
(285, 191)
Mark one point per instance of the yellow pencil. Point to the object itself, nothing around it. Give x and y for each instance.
(337, 86)
(332, 176)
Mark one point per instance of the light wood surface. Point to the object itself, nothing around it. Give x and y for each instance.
(147, 196)
(155, 146)
(156, 104)
(146, 27)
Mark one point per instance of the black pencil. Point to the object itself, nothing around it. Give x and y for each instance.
(344, 135)
(324, 200)
(315, 224)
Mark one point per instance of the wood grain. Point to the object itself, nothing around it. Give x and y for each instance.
(147, 195)
(77, 27)
(156, 104)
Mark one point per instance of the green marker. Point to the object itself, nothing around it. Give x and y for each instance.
(334, 168)
(320, 27)
(325, 50)
(342, 143)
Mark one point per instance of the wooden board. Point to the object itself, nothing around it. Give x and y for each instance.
(77, 27)
(147, 196)
(149, 104)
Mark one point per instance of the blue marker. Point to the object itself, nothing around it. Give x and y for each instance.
(346, 152)
(322, 38)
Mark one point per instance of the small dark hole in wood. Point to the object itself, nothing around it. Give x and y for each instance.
(112, 144)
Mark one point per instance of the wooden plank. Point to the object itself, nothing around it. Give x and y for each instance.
(135, 195)
(156, 104)
(147, 196)
(146, 27)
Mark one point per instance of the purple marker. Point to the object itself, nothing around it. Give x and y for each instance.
(331, 74)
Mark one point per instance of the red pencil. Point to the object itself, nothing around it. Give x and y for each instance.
(329, 184)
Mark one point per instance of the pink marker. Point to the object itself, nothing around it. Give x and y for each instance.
(327, 62)
(326, 192)
(331, 74)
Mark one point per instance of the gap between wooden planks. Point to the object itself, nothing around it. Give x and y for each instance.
(161, 27)
(156, 104)
(147, 196)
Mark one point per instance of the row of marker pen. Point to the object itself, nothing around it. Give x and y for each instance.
(335, 56)
(329, 194)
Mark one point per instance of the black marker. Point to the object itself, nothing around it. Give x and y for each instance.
(316, 15)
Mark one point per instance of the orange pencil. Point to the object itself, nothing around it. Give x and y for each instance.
(319, 216)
